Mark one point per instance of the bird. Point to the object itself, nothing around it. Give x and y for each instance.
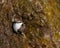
(18, 26)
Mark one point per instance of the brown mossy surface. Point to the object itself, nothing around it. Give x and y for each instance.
(42, 20)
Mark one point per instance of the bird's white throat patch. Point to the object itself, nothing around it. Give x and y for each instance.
(17, 26)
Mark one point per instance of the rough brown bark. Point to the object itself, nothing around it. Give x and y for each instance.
(42, 20)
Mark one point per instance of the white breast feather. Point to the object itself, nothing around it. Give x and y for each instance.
(17, 26)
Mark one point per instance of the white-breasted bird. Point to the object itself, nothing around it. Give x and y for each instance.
(18, 26)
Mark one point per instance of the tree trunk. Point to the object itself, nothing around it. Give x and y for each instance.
(42, 21)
